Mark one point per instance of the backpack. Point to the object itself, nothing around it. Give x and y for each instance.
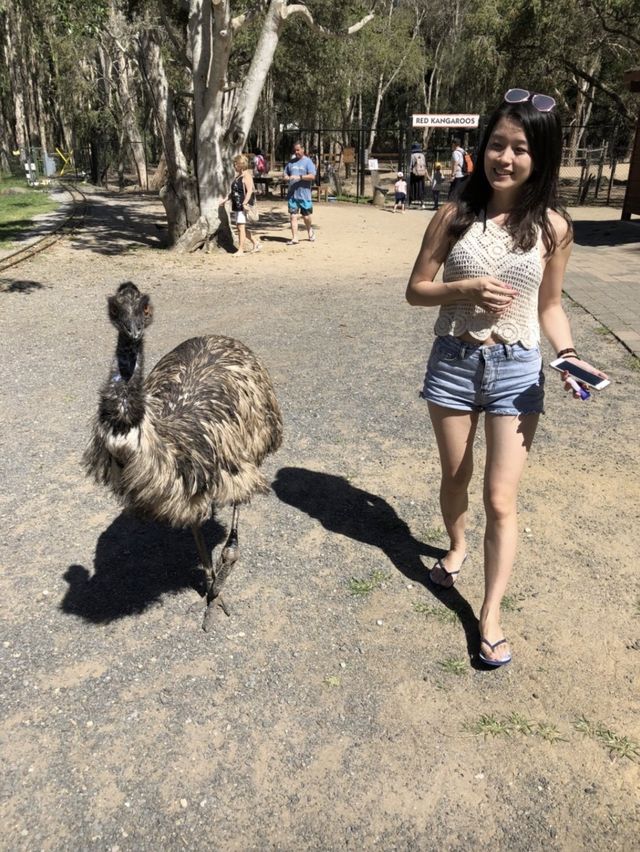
(467, 163)
(419, 166)
(260, 164)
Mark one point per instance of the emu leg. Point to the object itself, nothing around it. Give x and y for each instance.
(209, 571)
(217, 576)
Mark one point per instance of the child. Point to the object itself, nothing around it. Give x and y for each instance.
(436, 182)
(400, 189)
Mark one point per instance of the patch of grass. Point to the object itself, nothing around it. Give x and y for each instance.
(515, 723)
(490, 726)
(435, 534)
(633, 363)
(549, 732)
(439, 613)
(453, 666)
(18, 205)
(602, 330)
(519, 724)
(617, 745)
(511, 603)
(332, 680)
(637, 607)
(360, 587)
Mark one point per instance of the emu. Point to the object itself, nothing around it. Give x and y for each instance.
(189, 438)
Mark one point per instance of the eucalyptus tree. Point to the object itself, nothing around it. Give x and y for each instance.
(225, 98)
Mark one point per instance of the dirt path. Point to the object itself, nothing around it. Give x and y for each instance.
(313, 718)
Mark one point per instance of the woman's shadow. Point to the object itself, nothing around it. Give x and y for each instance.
(136, 564)
(342, 508)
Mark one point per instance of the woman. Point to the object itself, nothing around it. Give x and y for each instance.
(417, 174)
(504, 243)
(243, 195)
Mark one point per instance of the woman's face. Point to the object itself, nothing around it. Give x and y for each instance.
(507, 161)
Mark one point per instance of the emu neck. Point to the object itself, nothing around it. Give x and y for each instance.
(122, 398)
(128, 361)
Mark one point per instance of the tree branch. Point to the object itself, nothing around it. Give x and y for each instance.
(301, 9)
(598, 85)
(623, 33)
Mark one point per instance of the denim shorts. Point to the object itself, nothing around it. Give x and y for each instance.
(499, 379)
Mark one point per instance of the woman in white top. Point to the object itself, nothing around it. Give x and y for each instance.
(504, 243)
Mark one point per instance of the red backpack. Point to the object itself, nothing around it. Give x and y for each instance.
(467, 163)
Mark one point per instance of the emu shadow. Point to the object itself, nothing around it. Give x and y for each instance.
(22, 286)
(341, 508)
(136, 564)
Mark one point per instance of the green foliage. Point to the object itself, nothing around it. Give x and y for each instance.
(439, 613)
(361, 587)
(18, 206)
(453, 666)
(618, 746)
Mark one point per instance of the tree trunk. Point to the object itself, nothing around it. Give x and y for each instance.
(179, 194)
(12, 26)
(129, 118)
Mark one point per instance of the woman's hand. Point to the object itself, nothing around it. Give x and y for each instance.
(585, 366)
(490, 294)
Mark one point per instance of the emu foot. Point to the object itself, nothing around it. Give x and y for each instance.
(214, 607)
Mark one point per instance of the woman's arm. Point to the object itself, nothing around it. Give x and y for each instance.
(488, 293)
(553, 319)
(249, 187)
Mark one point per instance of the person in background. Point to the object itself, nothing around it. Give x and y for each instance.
(242, 194)
(259, 170)
(505, 242)
(437, 180)
(300, 173)
(457, 159)
(400, 193)
(417, 174)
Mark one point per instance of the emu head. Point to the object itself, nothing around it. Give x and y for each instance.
(130, 311)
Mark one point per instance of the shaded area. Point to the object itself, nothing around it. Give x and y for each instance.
(19, 285)
(120, 227)
(273, 225)
(19, 230)
(613, 232)
(135, 565)
(341, 508)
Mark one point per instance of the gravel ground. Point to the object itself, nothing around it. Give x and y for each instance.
(313, 717)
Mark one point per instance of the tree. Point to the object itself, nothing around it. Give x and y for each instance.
(223, 107)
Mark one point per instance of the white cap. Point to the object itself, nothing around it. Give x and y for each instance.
(400, 174)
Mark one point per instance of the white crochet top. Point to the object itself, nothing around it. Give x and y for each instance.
(490, 251)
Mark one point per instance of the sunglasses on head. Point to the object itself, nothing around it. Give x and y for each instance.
(543, 103)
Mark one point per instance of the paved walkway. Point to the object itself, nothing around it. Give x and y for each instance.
(604, 271)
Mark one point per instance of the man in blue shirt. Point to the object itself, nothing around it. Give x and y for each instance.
(301, 173)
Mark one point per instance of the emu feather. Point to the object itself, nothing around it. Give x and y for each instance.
(188, 439)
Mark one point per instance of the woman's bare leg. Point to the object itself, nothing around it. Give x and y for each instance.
(242, 233)
(454, 431)
(508, 443)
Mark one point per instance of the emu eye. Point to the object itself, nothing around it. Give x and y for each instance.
(146, 310)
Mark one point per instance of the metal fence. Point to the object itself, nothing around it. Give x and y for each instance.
(594, 170)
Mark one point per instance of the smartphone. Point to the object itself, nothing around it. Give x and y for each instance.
(579, 373)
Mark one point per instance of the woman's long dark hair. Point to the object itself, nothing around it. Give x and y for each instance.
(539, 193)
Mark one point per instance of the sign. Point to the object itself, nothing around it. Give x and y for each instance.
(372, 165)
(348, 155)
(445, 120)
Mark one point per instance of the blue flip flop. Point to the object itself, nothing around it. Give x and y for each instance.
(438, 564)
(491, 662)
